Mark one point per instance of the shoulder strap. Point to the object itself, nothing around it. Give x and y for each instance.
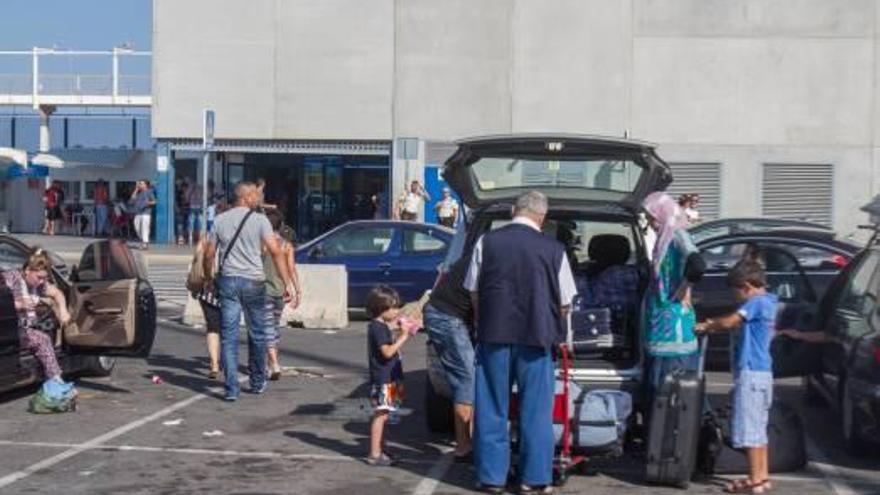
(234, 238)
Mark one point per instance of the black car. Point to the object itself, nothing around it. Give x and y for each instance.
(845, 368)
(595, 187)
(109, 298)
(800, 264)
(743, 225)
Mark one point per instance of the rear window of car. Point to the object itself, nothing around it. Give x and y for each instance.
(498, 173)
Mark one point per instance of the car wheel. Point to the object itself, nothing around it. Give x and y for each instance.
(438, 410)
(97, 366)
(854, 443)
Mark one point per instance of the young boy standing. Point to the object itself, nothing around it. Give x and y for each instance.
(752, 392)
(386, 369)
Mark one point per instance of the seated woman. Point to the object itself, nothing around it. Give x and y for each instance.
(27, 286)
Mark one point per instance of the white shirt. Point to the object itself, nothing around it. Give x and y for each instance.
(447, 208)
(411, 202)
(567, 289)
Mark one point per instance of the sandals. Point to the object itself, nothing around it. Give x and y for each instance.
(746, 486)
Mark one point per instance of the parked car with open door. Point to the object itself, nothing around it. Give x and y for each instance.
(595, 187)
(111, 302)
(801, 265)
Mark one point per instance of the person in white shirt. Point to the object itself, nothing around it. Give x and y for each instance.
(409, 204)
(447, 209)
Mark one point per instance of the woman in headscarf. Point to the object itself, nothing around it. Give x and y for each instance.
(676, 265)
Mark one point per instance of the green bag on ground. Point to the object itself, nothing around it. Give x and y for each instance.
(43, 403)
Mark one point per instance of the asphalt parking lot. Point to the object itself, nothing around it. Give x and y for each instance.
(306, 435)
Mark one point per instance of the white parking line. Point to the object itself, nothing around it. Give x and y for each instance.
(99, 440)
(834, 478)
(437, 472)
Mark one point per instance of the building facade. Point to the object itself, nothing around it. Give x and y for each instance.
(766, 107)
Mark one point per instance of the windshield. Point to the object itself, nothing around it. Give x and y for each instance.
(611, 175)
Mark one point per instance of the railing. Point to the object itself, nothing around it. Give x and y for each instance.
(39, 82)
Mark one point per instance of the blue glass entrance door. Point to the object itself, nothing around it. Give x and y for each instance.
(434, 184)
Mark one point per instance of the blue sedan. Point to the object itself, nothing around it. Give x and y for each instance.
(403, 255)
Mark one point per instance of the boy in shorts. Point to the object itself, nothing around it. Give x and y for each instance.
(384, 340)
(752, 392)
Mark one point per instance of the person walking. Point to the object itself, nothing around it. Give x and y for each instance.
(447, 209)
(102, 199)
(53, 198)
(521, 288)
(448, 315)
(240, 234)
(275, 290)
(671, 343)
(142, 200)
(181, 205)
(194, 213)
(411, 202)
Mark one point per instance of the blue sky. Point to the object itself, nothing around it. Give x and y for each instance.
(73, 25)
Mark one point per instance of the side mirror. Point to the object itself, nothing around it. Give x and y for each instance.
(74, 273)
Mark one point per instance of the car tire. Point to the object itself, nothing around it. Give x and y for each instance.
(855, 445)
(97, 366)
(438, 410)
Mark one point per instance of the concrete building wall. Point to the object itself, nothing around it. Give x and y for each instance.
(738, 82)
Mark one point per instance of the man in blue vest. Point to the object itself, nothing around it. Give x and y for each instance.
(521, 286)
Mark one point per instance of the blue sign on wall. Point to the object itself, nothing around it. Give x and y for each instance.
(31, 172)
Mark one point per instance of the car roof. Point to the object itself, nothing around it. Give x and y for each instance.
(769, 220)
(792, 235)
(437, 226)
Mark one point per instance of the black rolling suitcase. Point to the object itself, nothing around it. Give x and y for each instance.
(675, 427)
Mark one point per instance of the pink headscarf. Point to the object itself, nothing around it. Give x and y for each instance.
(669, 217)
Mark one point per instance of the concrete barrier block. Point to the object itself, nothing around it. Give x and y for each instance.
(324, 301)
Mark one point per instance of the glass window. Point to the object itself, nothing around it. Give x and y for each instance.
(69, 188)
(614, 175)
(359, 242)
(415, 241)
(124, 189)
(857, 296)
(90, 190)
(576, 235)
(105, 261)
(11, 257)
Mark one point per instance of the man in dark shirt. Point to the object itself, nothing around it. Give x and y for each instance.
(447, 316)
(521, 287)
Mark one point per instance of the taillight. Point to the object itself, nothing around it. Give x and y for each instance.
(840, 260)
(877, 352)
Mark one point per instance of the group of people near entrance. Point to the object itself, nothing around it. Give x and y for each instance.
(498, 316)
(410, 203)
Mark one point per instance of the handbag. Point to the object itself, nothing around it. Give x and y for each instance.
(195, 279)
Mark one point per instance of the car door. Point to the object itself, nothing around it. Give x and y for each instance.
(422, 251)
(849, 318)
(797, 301)
(112, 303)
(368, 253)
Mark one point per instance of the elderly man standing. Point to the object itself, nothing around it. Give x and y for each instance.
(521, 286)
(240, 234)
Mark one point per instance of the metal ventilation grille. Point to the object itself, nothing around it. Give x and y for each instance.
(698, 178)
(798, 192)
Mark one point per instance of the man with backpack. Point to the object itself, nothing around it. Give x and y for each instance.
(239, 236)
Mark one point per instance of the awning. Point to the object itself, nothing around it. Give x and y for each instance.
(72, 158)
(296, 146)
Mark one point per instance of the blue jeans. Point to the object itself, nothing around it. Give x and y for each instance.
(237, 294)
(100, 219)
(451, 338)
(531, 368)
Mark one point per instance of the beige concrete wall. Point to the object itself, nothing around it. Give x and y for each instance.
(730, 81)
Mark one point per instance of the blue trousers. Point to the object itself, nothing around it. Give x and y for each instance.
(498, 368)
(237, 294)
